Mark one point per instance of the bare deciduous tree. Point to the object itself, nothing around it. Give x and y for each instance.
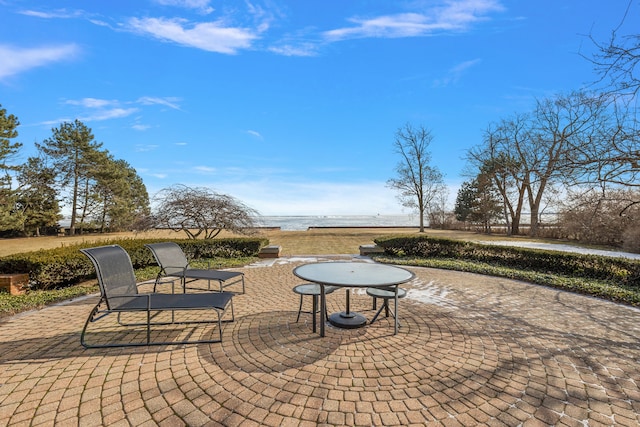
(528, 154)
(498, 156)
(617, 59)
(202, 212)
(562, 129)
(613, 158)
(418, 182)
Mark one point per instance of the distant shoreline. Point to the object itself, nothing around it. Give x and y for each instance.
(306, 222)
(328, 227)
(362, 226)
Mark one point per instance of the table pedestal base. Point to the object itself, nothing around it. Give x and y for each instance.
(347, 320)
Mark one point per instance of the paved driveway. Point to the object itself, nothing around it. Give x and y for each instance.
(471, 350)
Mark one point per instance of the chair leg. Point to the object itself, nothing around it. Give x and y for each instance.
(314, 310)
(377, 314)
(148, 326)
(86, 324)
(299, 309)
(385, 306)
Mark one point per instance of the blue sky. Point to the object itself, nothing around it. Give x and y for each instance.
(291, 106)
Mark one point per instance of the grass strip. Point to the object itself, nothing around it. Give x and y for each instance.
(596, 288)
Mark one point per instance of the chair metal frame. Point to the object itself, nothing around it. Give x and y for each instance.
(385, 294)
(314, 300)
(168, 253)
(119, 294)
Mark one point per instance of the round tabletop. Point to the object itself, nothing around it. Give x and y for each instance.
(353, 274)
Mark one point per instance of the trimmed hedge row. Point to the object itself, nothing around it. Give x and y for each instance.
(60, 267)
(618, 270)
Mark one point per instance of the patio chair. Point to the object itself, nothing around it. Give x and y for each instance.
(385, 294)
(312, 289)
(174, 263)
(119, 294)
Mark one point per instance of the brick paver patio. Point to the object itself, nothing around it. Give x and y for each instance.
(472, 350)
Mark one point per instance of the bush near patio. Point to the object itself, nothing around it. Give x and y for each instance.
(66, 266)
(617, 279)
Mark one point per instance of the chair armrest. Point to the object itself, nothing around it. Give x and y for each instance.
(114, 298)
(178, 267)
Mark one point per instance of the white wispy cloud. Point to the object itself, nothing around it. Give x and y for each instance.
(140, 148)
(399, 25)
(204, 169)
(95, 116)
(452, 15)
(170, 102)
(202, 6)
(96, 109)
(16, 60)
(56, 122)
(91, 102)
(113, 113)
(455, 73)
(255, 133)
(53, 14)
(210, 36)
(292, 49)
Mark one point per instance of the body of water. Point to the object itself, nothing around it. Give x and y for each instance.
(291, 223)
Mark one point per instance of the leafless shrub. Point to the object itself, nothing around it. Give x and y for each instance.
(631, 239)
(599, 217)
(202, 212)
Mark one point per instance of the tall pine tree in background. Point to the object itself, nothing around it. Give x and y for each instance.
(11, 219)
(73, 151)
(37, 196)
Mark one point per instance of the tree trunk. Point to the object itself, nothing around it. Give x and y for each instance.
(74, 207)
(515, 225)
(506, 218)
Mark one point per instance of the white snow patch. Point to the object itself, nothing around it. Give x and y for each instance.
(430, 293)
(426, 293)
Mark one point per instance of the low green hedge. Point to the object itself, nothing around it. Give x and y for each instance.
(616, 270)
(60, 267)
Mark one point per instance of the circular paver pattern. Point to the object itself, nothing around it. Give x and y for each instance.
(472, 350)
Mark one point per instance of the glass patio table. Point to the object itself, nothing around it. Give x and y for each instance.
(352, 275)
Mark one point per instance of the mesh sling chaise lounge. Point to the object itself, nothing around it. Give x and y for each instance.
(119, 294)
(174, 263)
